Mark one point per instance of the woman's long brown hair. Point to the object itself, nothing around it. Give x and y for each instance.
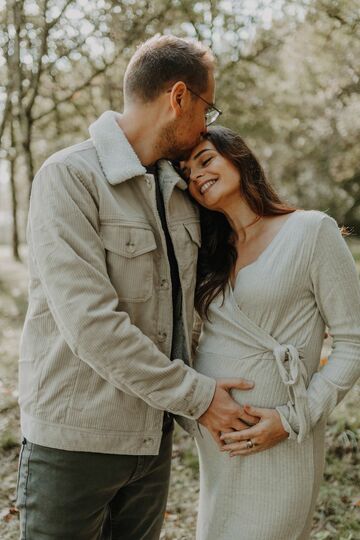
(218, 255)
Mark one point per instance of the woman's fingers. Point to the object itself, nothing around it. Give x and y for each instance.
(252, 415)
(249, 419)
(254, 412)
(239, 447)
(267, 433)
(243, 435)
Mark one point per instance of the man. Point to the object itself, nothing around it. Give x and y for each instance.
(113, 242)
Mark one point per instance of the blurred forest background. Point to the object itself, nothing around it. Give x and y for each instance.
(288, 80)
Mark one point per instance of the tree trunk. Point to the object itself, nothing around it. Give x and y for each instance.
(15, 225)
(27, 154)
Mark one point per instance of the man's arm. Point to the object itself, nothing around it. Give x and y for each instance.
(70, 257)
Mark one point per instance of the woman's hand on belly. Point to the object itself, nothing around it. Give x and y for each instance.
(268, 432)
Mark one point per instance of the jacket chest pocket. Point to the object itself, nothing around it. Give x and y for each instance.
(130, 260)
(188, 241)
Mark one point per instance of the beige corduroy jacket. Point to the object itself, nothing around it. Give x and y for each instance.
(95, 373)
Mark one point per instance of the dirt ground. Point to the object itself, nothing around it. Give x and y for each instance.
(337, 515)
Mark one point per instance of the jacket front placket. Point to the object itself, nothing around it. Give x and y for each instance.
(165, 316)
(168, 181)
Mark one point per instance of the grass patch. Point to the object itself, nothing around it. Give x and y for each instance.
(190, 460)
(354, 245)
(8, 441)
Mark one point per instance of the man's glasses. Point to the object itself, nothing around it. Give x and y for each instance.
(212, 113)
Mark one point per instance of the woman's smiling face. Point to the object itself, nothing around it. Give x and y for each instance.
(213, 180)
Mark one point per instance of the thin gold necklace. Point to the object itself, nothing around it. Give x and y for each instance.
(258, 218)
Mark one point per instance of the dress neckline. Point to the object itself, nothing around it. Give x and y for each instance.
(270, 245)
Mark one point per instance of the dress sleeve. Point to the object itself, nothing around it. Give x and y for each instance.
(337, 293)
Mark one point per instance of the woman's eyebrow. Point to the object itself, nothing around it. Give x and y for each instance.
(201, 152)
(186, 169)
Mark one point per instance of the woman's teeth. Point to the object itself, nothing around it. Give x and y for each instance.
(207, 186)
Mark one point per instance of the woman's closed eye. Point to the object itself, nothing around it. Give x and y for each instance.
(206, 161)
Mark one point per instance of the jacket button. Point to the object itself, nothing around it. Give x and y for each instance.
(130, 247)
(148, 442)
(164, 284)
(161, 336)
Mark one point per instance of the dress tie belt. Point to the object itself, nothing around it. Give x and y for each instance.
(293, 374)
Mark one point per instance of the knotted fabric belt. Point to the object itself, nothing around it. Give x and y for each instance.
(293, 374)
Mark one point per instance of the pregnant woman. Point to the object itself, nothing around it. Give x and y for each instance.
(270, 278)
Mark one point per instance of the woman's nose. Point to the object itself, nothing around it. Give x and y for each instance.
(194, 176)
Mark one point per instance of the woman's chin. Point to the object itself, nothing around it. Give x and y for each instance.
(209, 200)
(210, 204)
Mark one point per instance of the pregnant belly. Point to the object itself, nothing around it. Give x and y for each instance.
(269, 390)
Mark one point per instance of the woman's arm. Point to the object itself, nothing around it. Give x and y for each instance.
(336, 288)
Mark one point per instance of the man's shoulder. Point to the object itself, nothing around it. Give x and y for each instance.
(78, 161)
(76, 155)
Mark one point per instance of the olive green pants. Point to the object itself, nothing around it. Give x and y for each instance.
(66, 495)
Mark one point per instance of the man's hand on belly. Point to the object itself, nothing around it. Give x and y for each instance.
(224, 413)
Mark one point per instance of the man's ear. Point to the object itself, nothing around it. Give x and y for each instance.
(178, 95)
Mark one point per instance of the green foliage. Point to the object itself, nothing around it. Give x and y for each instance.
(296, 99)
(287, 79)
(8, 441)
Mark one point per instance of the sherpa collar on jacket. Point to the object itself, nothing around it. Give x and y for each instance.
(117, 157)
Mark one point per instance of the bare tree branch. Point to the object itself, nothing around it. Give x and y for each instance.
(35, 81)
(34, 86)
(70, 96)
(5, 116)
(52, 23)
(190, 14)
(64, 54)
(7, 106)
(338, 17)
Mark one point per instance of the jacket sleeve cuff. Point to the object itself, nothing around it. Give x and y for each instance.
(202, 397)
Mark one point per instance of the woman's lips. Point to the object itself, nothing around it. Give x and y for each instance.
(205, 187)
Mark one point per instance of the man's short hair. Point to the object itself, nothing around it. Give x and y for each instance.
(163, 60)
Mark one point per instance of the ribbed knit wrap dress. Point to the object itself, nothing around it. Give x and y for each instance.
(270, 329)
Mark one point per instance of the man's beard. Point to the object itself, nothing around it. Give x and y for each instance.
(170, 147)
